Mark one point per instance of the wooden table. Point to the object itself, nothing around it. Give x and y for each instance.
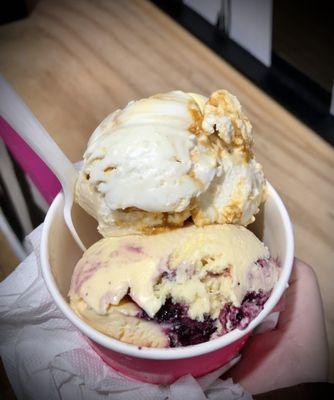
(74, 62)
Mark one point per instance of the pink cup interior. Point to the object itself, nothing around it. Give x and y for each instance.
(59, 254)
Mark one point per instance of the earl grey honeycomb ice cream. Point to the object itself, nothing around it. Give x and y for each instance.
(170, 158)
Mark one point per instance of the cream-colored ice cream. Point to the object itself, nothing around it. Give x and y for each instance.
(202, 269)
(169, 157)
(121, 322)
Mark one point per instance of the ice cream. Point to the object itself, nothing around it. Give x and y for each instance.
(169, 159)
(172, 181)
(175, 288)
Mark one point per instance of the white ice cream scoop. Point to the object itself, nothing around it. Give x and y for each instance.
(168, 158)
(18, 115)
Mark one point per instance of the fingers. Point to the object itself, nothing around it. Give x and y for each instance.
(303, 324)
(302, 299)
(297, 350)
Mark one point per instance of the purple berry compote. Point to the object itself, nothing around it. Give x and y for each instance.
(178, 288)
(182, 330)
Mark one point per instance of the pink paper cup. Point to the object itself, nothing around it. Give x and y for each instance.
(59, 255)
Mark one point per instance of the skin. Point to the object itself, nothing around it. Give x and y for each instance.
(296, 351)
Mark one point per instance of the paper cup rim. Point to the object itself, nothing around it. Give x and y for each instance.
(167, 353)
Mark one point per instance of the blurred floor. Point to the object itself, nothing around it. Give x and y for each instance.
(303, 35)
(6, 392)
(8, 260)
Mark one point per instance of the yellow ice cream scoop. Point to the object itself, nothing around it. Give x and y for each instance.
(200, 269)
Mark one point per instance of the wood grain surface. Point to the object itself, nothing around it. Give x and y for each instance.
(74, 62)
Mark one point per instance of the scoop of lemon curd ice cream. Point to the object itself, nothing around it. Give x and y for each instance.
(168, 158)
(175, 288)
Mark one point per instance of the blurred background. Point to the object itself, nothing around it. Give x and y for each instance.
(284, 47)
(75, 61)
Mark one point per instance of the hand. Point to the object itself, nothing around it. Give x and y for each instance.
(297, 350)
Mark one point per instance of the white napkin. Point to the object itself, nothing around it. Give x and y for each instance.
(46, 357)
